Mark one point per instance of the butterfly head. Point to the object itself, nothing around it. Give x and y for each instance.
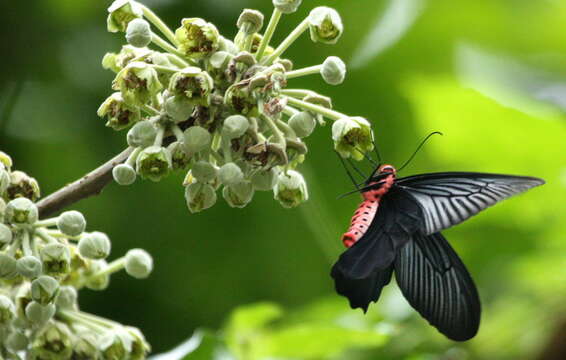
(386, 169)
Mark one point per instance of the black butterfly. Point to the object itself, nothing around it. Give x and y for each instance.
(397, 229)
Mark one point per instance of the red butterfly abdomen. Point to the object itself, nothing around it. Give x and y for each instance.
(360, 221)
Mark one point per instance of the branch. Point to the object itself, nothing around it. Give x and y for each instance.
(89, 185)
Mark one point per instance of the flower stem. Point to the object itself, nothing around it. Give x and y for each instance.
(42, 233)
(303, 72)
(328, 113)
(71, 317)
(290, 111)
(149, 110)
(26, 247)
(159, 137)
(157, 40)
(297, 93)
(113, 267)
(164, 68)
(277, 134)
(178, 132)
(46, 223)
(273, 21)
(131, 160)
(155, 20)
(294, 35)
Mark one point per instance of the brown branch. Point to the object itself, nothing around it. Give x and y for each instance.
(89, 185)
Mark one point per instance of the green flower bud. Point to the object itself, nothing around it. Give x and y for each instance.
(230, 174)
(265, 180)
(7, 310)
(29, 267)
(287, 6)
(39, 314)
(286, 63)
(44, 289)
(21, 211)
(119, 115)
(4, 180)
(121, 12)
(56, 259)
(6, 160)
(325, 25)
(220, 59)
(154, 163)
(142, 134)
(22, 185)
(85, 347)
(124, 174)
(7, 267)
(138, 82)
(250, 21)
(291, 189)
(140, 346)
(17, 341)
(139, 263)
(5, 234)
(117, 62)
(204, 171)
(240, 100)
(180, 156)
(54, 342)
(138, 33)
(197, 38)
(238, 195)
(302, 123)
(197, 139)
(95, 245)
(67, 298)
(333, 70)
(228, 46)
(98, 282)
(192, 83)
(110, 62)
(179, 108)
(71, 223)
(352, 137)
(235, 126)
(199, 196)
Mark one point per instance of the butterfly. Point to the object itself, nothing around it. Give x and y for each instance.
(397, 229)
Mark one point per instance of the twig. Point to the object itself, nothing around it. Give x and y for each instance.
(89, 185)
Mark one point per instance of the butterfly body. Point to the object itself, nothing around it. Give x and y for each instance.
(401, 234)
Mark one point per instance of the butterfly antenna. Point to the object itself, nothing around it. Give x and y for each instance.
(365, 155)
(418, 148)
(357, 169)
(347, 171)
(375, 149)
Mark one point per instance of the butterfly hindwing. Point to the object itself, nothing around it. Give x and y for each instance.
(448, 199)
(436, 283)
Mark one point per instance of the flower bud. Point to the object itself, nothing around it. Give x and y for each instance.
(250, 21)
(230, 174)
(114, 346)
(119, 115)
(7, 266)
(238, 195)
(6, 160)
(197, 139)
(179, 108)
(100, 281)
(140, 346)
(44, 289)
(325, 25)
(291, 189)
(21, 211)
(17, 341)
(138, 82)
(138, 33)
(22, 185)
(127, 54)
(204, 171)
(199, 196)
(71, 223)
(193, 84)
(4, 179)
(121, 12)
(220, 59)
(265, 180)
(53, 342)
(7, 310)
(180, 156)
(302, 123)
(29, 267)
(154, 163)
(142, 134)
(235, 126)
(287, 6)
(39, 314)
(56, 259)
(67, 298)
(5, 234)
(197, 38)
(95, 245)
(333, 70)
(124, 174)
(139, 263)
(352, 137)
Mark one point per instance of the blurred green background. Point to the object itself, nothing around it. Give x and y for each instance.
(489, 74)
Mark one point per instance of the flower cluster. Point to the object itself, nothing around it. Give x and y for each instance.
(221, 109)
(43, 264)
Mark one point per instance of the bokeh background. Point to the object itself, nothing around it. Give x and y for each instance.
(489, 74)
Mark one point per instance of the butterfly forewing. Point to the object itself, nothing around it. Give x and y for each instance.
(448, 199)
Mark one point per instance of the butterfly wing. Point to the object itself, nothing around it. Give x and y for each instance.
(436, 283)
(448, 199)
